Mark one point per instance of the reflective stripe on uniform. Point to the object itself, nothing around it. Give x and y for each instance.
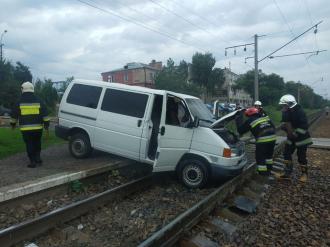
(29, 109)
(269, 138)
(46, 119)
(269, 161)
(259, 121)
(30, 127)
(301, 131)
(304, 142)
(13, 120)
(262, 168)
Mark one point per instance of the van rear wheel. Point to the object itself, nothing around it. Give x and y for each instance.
(80, 146)
(193, 173)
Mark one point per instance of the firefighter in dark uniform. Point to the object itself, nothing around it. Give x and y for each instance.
(32, 117)
(295, 124)
(263, 130)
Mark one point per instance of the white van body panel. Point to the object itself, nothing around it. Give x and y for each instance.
(129, 136)
(120, 134)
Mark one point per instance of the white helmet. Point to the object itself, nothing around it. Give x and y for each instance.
(258, 103)
(289, 100)
(27, 87)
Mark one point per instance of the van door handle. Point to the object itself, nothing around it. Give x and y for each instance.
(162, 130)
(139, 122)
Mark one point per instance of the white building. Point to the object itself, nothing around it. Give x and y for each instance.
(231, 95)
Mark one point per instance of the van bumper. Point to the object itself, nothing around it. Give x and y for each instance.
(62, 132)
(218, 171)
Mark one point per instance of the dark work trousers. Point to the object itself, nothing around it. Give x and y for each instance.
(264, 157)
(301, 153)
(32, 141)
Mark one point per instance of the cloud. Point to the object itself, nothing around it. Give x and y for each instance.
(61, 38)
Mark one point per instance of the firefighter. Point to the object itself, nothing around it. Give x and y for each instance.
(31, 115)
(295, 124)
(263, 130)
(258, 105)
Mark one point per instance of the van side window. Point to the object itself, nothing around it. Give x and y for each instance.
(177, 113)
(84, 95)
(125, 103)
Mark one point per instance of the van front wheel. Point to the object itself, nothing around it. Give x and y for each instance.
(193, 173)
(80, 146)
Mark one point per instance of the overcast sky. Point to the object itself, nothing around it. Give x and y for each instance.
(63, 38)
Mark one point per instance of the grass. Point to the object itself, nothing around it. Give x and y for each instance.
(11, 141)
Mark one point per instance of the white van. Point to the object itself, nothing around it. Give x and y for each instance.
(170, 131)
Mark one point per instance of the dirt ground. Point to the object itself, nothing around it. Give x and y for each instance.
(57, 159)
(294, 214)
(323, 128)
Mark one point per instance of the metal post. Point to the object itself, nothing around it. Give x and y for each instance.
(1, 52)
(1, 44)
(298, 95)
(256, 83)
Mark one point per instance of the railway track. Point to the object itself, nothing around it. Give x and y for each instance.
(166, 236)
(174, 232)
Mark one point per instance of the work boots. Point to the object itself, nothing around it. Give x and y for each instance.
(286, 174)
(38, 160)
(303, 178)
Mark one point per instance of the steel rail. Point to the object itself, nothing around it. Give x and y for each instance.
(171, 233)
(164, 237)
(31, 228)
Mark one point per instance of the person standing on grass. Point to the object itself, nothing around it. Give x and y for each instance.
(32, 117)
(295, 124)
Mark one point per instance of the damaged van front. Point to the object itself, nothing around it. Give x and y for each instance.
(222, 148)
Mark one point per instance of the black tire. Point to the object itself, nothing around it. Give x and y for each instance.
(193, 173)
(80, 146)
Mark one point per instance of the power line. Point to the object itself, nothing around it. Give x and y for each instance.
(290, 29)
(290, 41)
(180, 17)
(131, 20)
(310, 18)
(295, 54)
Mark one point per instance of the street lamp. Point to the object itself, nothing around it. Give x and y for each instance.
(1, 44)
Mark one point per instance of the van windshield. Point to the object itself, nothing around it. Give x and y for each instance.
(199, 109)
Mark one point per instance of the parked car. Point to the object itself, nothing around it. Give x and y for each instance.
(4, 111)
(170, 131)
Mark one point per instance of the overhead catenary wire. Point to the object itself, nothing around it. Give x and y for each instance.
(289, 42)
(290, 29)
(300, 53)
(180, 17)
(128, 19)
(311, 20)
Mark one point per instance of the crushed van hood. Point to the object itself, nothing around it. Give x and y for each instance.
(222, 121)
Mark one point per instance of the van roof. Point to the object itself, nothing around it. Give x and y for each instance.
(137, 88)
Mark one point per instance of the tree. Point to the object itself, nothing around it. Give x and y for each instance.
(216, 80)
(22, 73)
(47, 93)
(11, 78)
(201, 67)
(174, 78)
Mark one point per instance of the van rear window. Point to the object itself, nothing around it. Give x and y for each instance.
(84, 95)
(125, 103)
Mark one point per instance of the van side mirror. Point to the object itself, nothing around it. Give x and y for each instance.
(193, 124)
(196, 122)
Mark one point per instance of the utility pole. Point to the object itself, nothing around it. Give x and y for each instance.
(229, 81)
(1, 45)
(256, 72)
